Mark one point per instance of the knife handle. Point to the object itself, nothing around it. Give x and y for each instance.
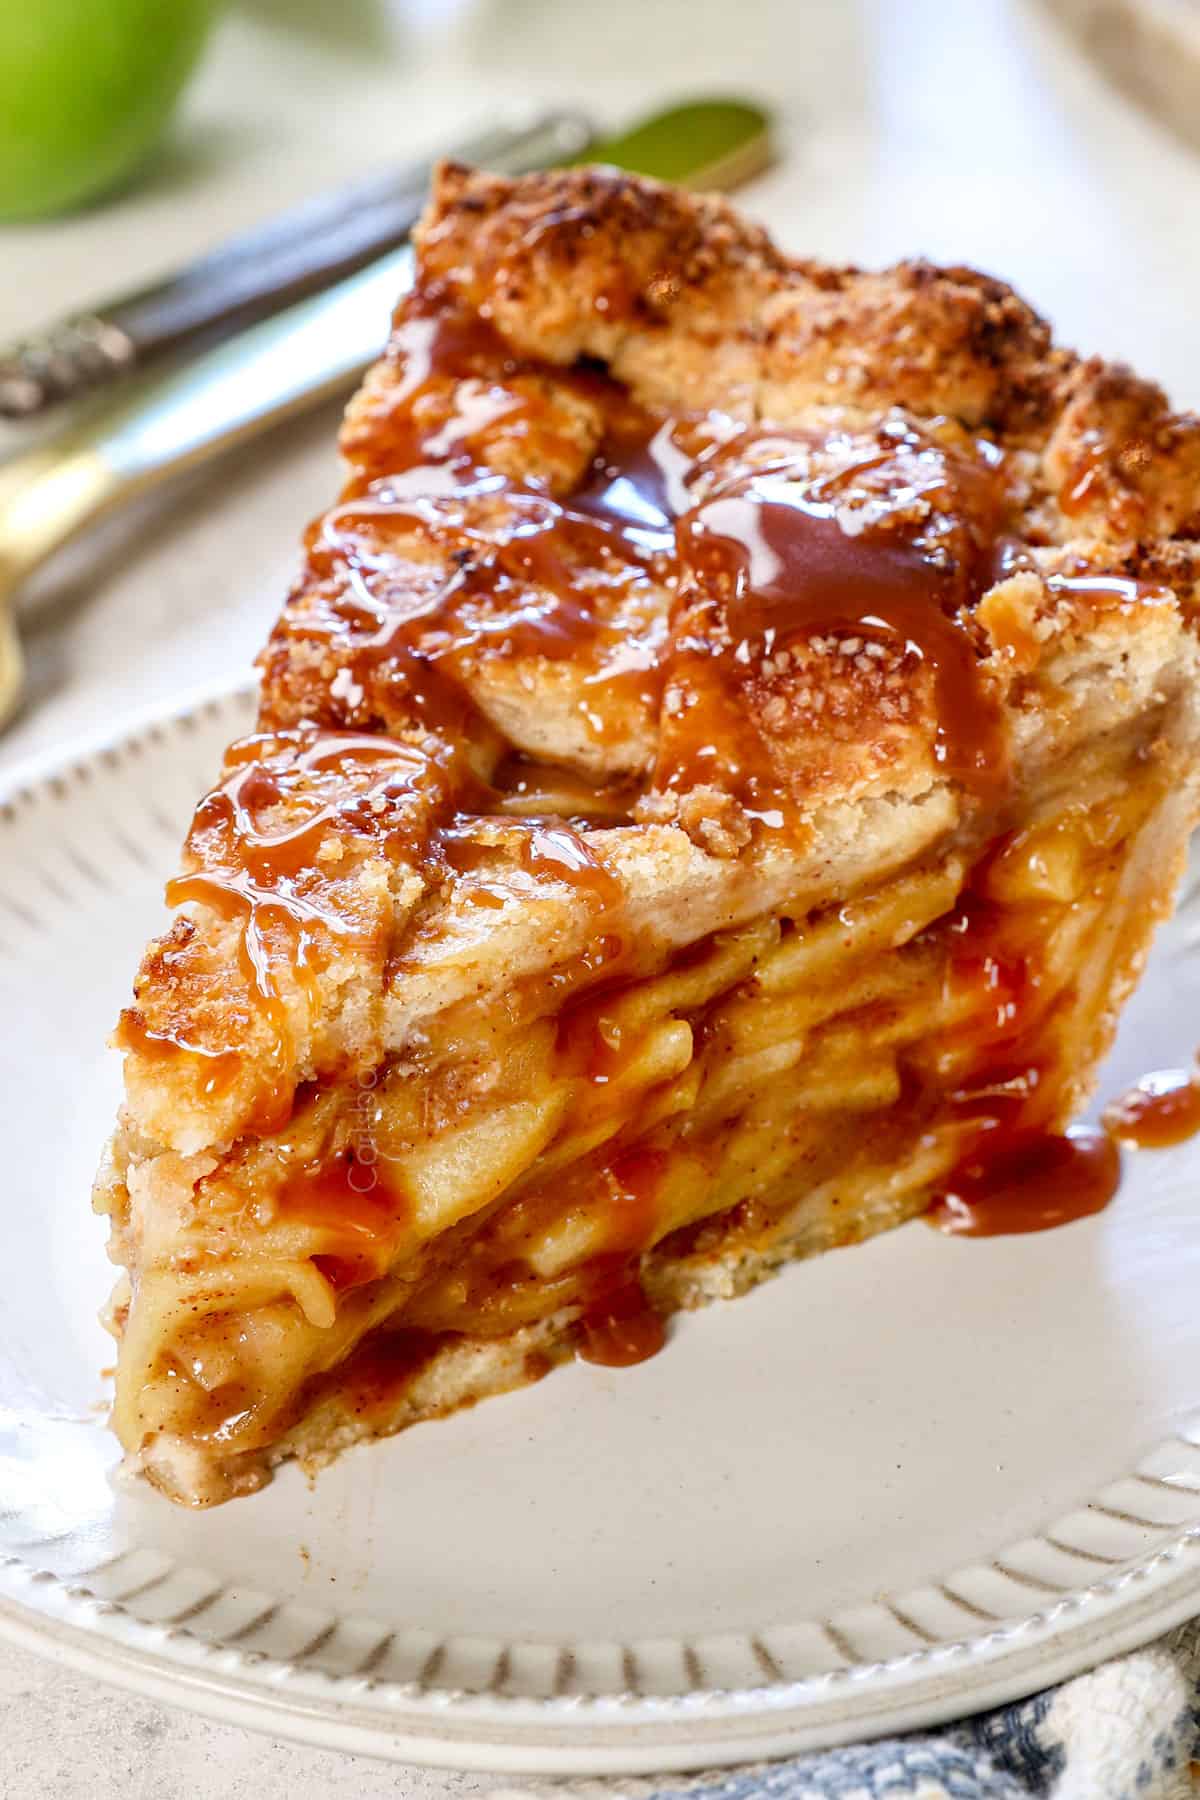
(302, 251)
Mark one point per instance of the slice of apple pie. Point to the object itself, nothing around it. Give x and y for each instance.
(717, 774)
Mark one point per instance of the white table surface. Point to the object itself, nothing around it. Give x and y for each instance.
(968, 133)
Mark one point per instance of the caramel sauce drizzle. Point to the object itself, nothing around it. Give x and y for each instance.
(1106, 591)
(894, 545)
(220, 1067)
(1160, 1110)
(761, 540)
(530, 574)
(619, 1326)
(349, 1202)
(271, 883)
(765, 536)
(547, 848)
(459, 359)
(527, 570)
(248, 868)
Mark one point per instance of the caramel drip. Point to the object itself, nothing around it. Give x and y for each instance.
(1106, 591)
(619, 1326)
(436, 560)
(1015, 1171)
(1162, 1109)
(1109, 591)
(621, 1329)
(437, 349)
(635, 1179)
(893, 547)
(262, 877)
(1085, 481)
(348, 1201)
(543, 847)
(219, 1068)
(1029, 1181)
(526, 573)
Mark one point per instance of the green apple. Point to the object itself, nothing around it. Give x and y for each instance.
(86, 89)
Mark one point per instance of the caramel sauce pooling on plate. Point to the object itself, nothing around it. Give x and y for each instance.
(1160, 1110)
(1029, 1181)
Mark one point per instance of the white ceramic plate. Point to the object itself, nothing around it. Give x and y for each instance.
(898, 1484)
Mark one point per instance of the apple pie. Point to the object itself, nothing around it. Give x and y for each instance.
(717, 774)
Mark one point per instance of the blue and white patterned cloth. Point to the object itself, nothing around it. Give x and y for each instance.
(1129, 1730)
